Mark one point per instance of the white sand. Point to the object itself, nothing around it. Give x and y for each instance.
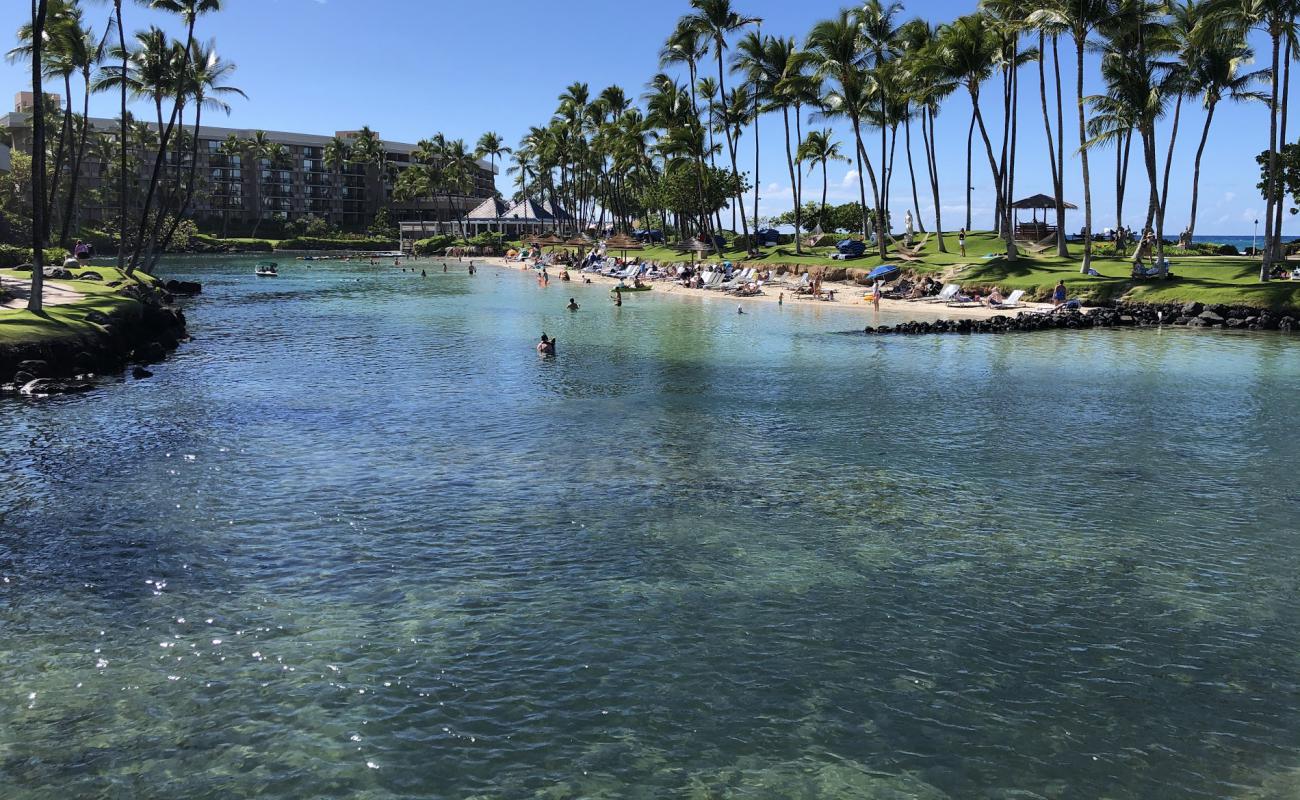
(848, 296)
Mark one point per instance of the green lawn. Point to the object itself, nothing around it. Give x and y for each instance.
(1231, 280)
(64, 320)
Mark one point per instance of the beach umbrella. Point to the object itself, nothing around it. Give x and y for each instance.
(623, 243)
(886, 272)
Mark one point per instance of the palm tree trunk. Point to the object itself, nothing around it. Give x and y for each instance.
(825, 185)
(122, 183)
(911, 171)
(1061, 249)
(1047, 126)
(757, 183)
(970, 139)
(1008, 235)
(1015, 136)
(789, 160)
(38, 160)
(1271, 193)
(51, 199)
(798, 184)
(1086, 264)
(1279, 253)
(78, 156)
(932, 168)
(887, 178)
(1196, 168)
(1169, 155)
(862, 187)
(731, 144)
(882, 205)
(1149, 154)
(189, 189)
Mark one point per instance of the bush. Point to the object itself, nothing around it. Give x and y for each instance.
(317, 243)
(487, 239)
(12, 256)
(434, 245)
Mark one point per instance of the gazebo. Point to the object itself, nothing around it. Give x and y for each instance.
(623, 242)
(1036, 231)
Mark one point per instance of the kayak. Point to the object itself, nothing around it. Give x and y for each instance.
(632, 289)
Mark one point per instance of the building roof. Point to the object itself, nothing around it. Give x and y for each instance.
(493, 208)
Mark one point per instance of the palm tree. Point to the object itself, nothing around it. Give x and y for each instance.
(835, 48)
(763, 61)
(1215, 74)
(819, 149)
(256, 148)
(206, 88)
(492, 147)
(1079, 17)
(1277, 19)
(336, 156)
(969, 51)
(39, 11)
(876, 25)
(231, 148)
(716, 20)
(687, 45)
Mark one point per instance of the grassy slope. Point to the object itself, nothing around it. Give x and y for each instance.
(1231, 280)
(64, 320)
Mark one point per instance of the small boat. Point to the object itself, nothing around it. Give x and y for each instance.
(266, 269)
(642, 288)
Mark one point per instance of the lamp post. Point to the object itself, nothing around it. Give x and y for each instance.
(1253, 235)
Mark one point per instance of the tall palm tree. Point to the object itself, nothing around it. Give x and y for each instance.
(39, 12)
(491, 146)
(969, 51)
(231, 148)
(688, 45)
(763, 61)
(716, 20)
(1079, 17)
(820, 149)
(336, 155)
(1215, 73)
(876, 25)
(835, 48)
(1277, 18)
(206, 88)
(255, 149)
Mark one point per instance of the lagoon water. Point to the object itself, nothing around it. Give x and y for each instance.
(358, 540)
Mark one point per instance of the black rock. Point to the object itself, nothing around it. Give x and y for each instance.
(58, 273)
(40, 369)
(1197, 322)
(1192, 309)
(97, 317)
(186, 288)
(1211, 317)
(140, 373)
(90, 275)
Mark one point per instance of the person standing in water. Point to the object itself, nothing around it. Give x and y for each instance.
(573, 304)
(546, 346)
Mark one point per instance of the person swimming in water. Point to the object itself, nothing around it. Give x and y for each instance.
(546, 346)
(573, 304)
(423, 274)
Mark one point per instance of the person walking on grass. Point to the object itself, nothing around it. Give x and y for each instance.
(961, 242)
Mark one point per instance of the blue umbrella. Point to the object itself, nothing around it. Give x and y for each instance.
(883, 273)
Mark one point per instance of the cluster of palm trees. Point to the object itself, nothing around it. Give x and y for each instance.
(878, 74)
(179, 77)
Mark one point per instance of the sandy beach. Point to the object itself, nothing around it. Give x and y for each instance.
(848, 296)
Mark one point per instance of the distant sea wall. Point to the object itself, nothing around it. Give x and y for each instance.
(1121, 315)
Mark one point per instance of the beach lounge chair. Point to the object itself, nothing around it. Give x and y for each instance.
(948, 292)
(1012, 301)
(804, 284)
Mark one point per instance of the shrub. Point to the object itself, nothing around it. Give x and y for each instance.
(434, 245)
(317, 243)
(12, 256)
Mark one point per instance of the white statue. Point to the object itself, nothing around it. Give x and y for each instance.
(907, 225)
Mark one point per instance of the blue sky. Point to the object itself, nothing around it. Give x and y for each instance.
(410, 68)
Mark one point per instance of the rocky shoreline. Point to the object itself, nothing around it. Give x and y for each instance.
(1121, 315)
(141, 334)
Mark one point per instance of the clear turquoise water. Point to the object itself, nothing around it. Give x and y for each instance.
(358, 540)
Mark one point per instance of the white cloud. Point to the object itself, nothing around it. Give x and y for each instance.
(850, 178)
